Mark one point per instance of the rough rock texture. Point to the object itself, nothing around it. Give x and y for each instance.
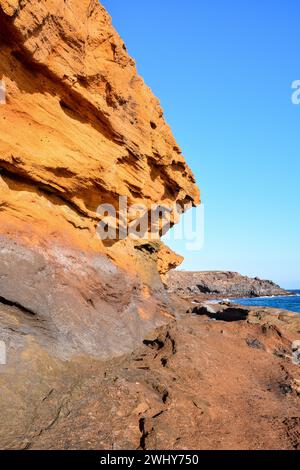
(195, 384)
(219, 284)
(80, 128)
(230, 312)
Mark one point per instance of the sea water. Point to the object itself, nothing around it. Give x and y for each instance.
(291, 302)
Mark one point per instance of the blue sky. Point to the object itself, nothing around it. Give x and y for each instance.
(223, 72)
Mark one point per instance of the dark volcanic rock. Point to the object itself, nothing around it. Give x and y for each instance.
(220, 284)
(73, 303)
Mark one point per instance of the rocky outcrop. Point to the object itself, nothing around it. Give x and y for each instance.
(193, 384)
(80, 128)
(230, 312)
(218, 284)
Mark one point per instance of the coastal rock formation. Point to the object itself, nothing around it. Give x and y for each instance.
(230, 312)
(218, 284)
(90, 354)
(79, 128)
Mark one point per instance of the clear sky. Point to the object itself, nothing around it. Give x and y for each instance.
(223, 71)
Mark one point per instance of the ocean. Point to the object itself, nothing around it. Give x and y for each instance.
(285, 302)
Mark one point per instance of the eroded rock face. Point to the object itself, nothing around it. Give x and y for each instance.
(80, 128)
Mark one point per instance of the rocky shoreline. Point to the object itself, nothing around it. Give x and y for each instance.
(220, 284)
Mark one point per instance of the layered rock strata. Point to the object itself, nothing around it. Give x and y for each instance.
(79, 128)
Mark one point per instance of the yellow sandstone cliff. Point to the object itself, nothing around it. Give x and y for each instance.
(80, 128)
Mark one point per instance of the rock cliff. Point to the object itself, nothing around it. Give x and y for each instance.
(90, 354)
(80, 128)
